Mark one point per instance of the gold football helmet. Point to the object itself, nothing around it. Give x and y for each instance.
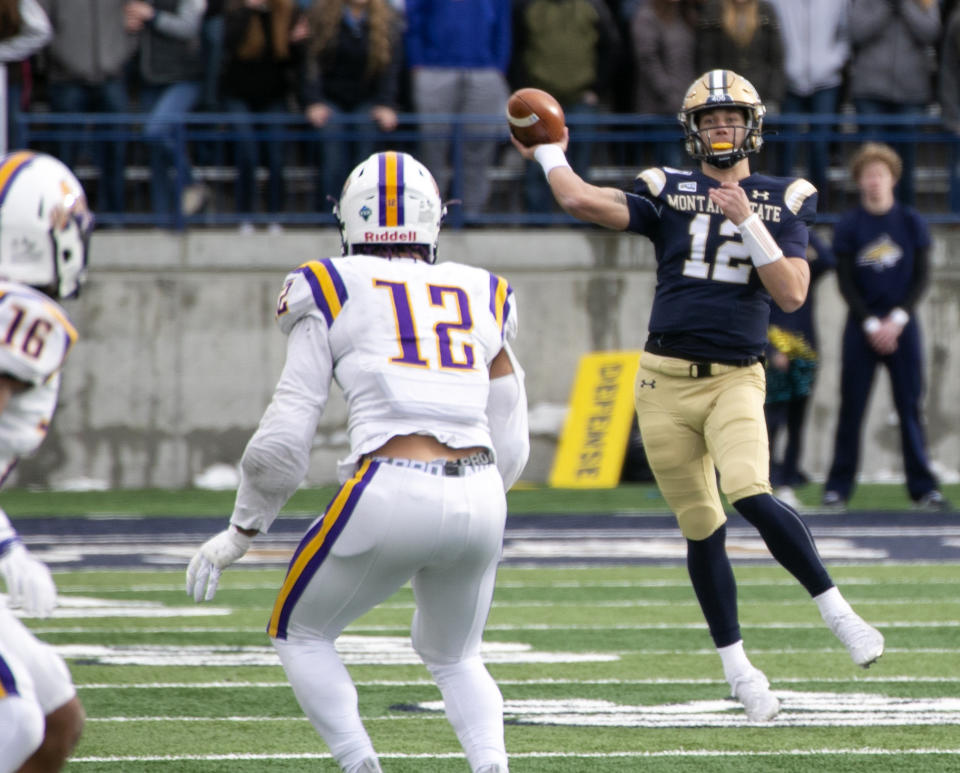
(721, 88)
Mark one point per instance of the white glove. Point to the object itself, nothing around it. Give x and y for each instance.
(215, 555)
(30, 585)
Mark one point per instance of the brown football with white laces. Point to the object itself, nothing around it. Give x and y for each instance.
(535, 117)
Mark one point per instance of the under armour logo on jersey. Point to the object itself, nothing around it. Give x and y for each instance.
(760, 194)
(652, 383)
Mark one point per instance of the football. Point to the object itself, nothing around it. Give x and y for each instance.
(535, 117)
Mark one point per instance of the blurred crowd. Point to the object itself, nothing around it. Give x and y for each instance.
(374, 60)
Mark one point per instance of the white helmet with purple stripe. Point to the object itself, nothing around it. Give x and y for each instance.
(45, 224)
(390, 201)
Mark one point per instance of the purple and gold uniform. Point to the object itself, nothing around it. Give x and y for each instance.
(35, 338)
(437, 425)
(411, 343)
(34, 682)
(710, 316)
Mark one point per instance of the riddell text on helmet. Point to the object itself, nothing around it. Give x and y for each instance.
(392, 236)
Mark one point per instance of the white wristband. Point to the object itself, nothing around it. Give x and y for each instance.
(899, 317)
(550, 157)
(871, 325)
(760, 244)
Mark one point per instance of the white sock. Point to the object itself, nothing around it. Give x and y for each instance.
(328, 697)
(734, 660)
(474, 708)
(832, 603)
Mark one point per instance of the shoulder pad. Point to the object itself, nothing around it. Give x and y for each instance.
(503, 307)
(655, 179)
(315, 288)
(37, 335)
(797, 193)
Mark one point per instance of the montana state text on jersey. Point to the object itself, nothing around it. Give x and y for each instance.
(707, 288)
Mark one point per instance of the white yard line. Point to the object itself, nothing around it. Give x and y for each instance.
(696, 753)
(402, 630)
(522, 682)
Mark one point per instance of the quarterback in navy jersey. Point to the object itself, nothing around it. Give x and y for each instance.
(727, 242)
(710, 304)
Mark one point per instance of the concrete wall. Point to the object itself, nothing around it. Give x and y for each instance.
(179, 352)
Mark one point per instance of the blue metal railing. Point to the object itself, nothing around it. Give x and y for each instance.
(621, 145)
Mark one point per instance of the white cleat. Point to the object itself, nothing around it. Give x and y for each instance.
(495, 768)
(752, 689)
(863, 641)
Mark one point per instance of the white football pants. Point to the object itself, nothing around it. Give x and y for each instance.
(34, 682)
(389, 525)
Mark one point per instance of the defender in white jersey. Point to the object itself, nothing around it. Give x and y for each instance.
(437, 422)
(44, 232)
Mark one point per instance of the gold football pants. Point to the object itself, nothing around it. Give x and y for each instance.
(692, 425)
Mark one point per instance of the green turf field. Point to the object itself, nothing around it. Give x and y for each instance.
(602, 669)
(525, 498)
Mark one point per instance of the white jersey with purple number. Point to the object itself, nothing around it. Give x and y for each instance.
(411, 343)
(35, 337)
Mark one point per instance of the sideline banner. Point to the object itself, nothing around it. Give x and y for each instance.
(593, 444)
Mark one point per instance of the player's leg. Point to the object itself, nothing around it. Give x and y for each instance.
(858, 364)
(736, 437)
(21, 718)
(328, 697)
(685, 474)
(776, 417)
(803, 374)
(21, 730)
(453, 595)
(63, 728)
(359, 553)
(906, 379)
(53, 691)
(796, 419)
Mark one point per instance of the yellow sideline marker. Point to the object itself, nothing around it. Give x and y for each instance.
(594, 440)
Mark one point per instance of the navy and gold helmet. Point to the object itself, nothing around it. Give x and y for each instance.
(721, 88)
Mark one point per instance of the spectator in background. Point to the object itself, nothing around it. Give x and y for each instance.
(458, 54)
(743, 36)
(169, 72)
(351, 68)
(24, 29)
(949, 94)
(816, 49)
(890, 72)
(211, 43)
(256, 79)
(86, 66)
(792, 364)
(663, 37)
(568, 48)
(883, 256)
(949, 83)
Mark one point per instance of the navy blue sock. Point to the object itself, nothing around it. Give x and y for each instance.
(788, 539)
(716, 589)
